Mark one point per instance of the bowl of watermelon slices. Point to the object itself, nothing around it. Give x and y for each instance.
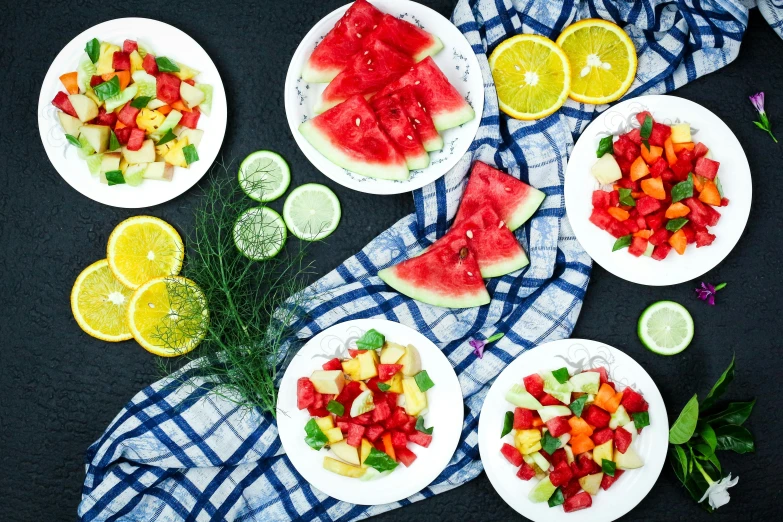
(658, 190)
(384, 96)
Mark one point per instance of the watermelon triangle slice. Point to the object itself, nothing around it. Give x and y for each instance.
(349, 135)
(446, 275)
(405, 36)
(419, 118)
(367, 73)
(396, 124)
(511, 199)
(444, 103)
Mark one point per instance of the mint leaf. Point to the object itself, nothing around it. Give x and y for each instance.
(167, 137)
(166, 65)
(114, 143)
(423, 381)
(622, 242)
(380, 461)
(384, 387)
(141, 102)
(608, 467)
(577, 405)
(371, 340)
(73, 141)
(683, 428)
(683, 190)
(557, 498)
(561, 374)
(93, 50)
(191, 155)
(647, 127)
(641, 419)
(115, 177)
(336, 408)
(108, 89)
(420, 426)
(626, 198)
(719, 387)
(605, 145)
(549, 443)
(508, 423)
(676, 224)
(314, 437)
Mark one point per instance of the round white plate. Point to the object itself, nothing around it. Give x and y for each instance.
(445, 414)
(164, 40)
(457, 61)
(574, 354)
(734, 175)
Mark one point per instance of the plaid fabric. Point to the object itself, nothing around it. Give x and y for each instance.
(180, 453)
(772, 10)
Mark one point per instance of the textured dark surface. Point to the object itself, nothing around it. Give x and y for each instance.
(60, 388)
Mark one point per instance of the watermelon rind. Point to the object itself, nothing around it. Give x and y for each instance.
(526, 209)
(433, 144)
(499, 269)
(432, 50)
(424, 295)
(312, 75)
(449, 120)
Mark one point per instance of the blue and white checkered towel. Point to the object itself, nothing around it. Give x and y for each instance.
(175, 453)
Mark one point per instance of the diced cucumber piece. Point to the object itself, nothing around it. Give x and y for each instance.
(134, 175)
(558, 390)
(649, 251)
(146, 84)
(550, 412)
(144, 48)
(155, 104)
(619, 418)
(85, 72)
(542, 491)
(565, 438)
(540, 460)
(518, 396)
(585, 382)
(86, 149)
(371, 473)
(122, 98)
(206, 105)
(94, 164)
(171, 121)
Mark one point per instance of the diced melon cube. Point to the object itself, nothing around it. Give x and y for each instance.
(606, 170)
(681, 133)
(330, 382)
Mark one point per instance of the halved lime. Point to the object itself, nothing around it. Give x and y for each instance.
(259, 233)
(312, 212)
(666, 328)
(264, 176)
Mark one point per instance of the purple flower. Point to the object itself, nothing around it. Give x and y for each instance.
(758, 102)
(707, 292)
(478, 345)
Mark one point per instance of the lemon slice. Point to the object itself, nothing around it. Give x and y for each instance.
(168, 315)
(603, 59)
(99, 303)
(143, 247)
(532, 76)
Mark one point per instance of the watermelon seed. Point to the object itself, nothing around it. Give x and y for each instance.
(417, 82)
(374, 26)
(469, 233)
(507, 188)
(409, 137)
(358, 121)
(463, 253)
(358, 35)
(369, 61)
(417, 121)
(366, 52)
(419, 103)
(470, 274)
(370, 69)
(501, 224)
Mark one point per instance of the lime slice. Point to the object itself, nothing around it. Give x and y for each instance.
(264, 176)
(666, 328)
(312, 212)
(259, 233)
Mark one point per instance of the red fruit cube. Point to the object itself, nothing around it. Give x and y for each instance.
(62, 102)
(525, 472)
(354, 435)
(422, 439)
(365, 419)
(607, 480)
(399, 440)
(618, 229)
(558, 426)
(661, 251)
(342, 424)
(686, 155)
(354, 353)
(317, 412)
(548, 400)
(622, 439)
(659, 134)
(381, 412)
(379, 445)
(128, 46)
(627, 183)
(647, 205)
(602, 220)
(638, 246)
(128, 115)
(150, 65)
(168, 87)
(319, 401)
(136, 139)
(571, 489)
(387, 371)
(96, 80)
(635, 136)
(373, 432)
(512, 454)
(190, 119)
(334, 364)
(351, 390)
(561, 475)
(641, 116)
(123, 135)
(596, 417)
(706, 168)
(121, 61)
(659, 237)
(724, 202)
(700, 150)
(690, 233)
(405, 456)
(631, 226)
(305, 393)
(600, 199)
(559, 456)
(523, 419)
(626, 148)
(669, 177)
(704, 238)
(602, 436)
(584, 466)
(534, 384)
(105, 118)
(633, 402)
(579, 501)
(410, 425)
(614, 198)
(397, 419)
(681, 169)
(391, 398)
(658, 167)
(624, 164)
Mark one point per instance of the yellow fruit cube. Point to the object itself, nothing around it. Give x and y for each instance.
(415, 399)
(175, 156)
(105, 63)
(333, 434)
(149, 121)
(351, 368)
(185, 72)
(391, 352)
(341, 468)
(603, 451)
(136, 62)
(681, 133)
(527, 441)
(367, 361)
(325, 423)
(365, 451)
(395, 383)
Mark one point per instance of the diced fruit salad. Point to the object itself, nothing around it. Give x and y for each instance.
(132, 115)
(574, 433)
(367, 408)
(665, 188)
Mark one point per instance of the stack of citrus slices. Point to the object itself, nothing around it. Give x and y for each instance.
(136, 291)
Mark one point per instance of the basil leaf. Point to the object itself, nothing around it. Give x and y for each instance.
(719, 387)
(167, 137)
(735, 438)
(561, 375)
(141, 102)
(605, 145)
(166, 65)
(93, 50)
(676, 224)
(336, 408)
(420, 426)
(314, 437)
(608, 467)
(626, 198)
(679, 461)
(641, 419)
(106, 90)
(384, 387)
(508, 423)
(115, 177)
(577, 405)
(735, 413)
(683, 428)
(191, 155)
(114, 143)
(557, 498)
(423, 381)
(371, 340)
(622, 242)
(646, 129)
(707, 434)
(683, 190)
(380, 461)
(549, 443)
(73, 141)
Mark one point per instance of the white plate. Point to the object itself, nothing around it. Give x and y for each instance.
(457, 61)
(445, 415)
(734, 175)
(164, 40)
(575, 354)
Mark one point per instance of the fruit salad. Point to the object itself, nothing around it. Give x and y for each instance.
(573, 433)
(132, 115)
(367, 408)
(664, 189)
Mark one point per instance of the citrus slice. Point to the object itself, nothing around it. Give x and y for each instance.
(603, 60)
(99, 303)
(143, 247)
(312, 212)
(666, 328)
(259, 233)
(264, 176)
(532, 76)
(168, 315)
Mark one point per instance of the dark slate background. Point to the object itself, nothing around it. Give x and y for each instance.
(60, 388)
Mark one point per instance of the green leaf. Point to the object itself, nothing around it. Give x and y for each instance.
(641, 419)
(646, 129)
(561, 375)
(495, 337)
(191, 155)
(384, 387)
(380, 461)
(605, 145)
(371, 340)
(108, 89)
(166, 65)
(115, 177)
(760, 125)
(707, 434)
(622, 242)
(721, 286)
(676, 224)
(735, 413)
(141, 102)
(93, 50)
(314, 437)
(683, 428)
(167, 137)
(704, 449)
(608, 467)
(577, 405)
(549, 443)
(336, 408)
(719, 388)
(557, 498)
(508, 423)
(679, 461)
(423, 381)
(626, 198)
(114, 143)
(683, 190)
(735, 438)
(73, 140)
(719, 186)
(420, 425)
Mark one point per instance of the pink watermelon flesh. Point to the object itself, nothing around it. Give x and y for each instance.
(406, 37)
(419, 118)
(349, 135)
(341, 43)
(511, 199)
(395, 122)
(446, 275)
(440, 99)
(367, 73)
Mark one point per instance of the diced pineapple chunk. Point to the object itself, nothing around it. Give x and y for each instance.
(351, 368)
(325, 423)
(149, 120)
(415, 399)
(365, 451)
(334, 435)
(681, 133)
(329, 382)
(136, 62)
(175, 156)
(367, 368)
(341, 468)
(527, 441)
(395, 383)
(391, 352)
(185, 72)
(105, 63)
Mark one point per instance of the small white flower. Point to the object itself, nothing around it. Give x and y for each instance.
(718, 492)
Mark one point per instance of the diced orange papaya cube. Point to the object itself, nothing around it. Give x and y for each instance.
(618, 213)
(639, 169)
(679, 241)
(677, 210)
(653, 187)
(652, 154)
(710, 194)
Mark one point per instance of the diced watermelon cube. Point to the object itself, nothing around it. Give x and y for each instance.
(534, 384)
(62, 102)
(354, 353)
(658, 167)
(121, 61)
(622, 439)
(523, 419)
(600, 199)
(387, 371)
(584, 466)
(354, 435)
(343, 425)
(686, 155)
(317, 412)
(617, 229)
(128, 46)
(559, 456)
(603, 435)
(641, 116)
(365, 419)
(379, 445)
(351, 390)
(571, 489)
(706, 168)
(373, 432)
(561, 475)
(96, 80)
(579, 501)
(669, 177)
(150, 65)
(399, 440)
(681, 169)
(647, 205)
(105, 118)
(602, 372)
(635, 136)
(656, 220)
(512, 454)
(659, 237)
(305, 393)
(624, 164)
(168, 87)
(548, 400)
(607, 480)
(626, 148)
(391, 398)
(704, 238)
(381, 412)
(638, 246)
(659, 134)
(661, 251)
(405, 456)
(633, 402)
(422, 439)
(700, 150)
(136, 139)
(410, 425)
(631, 226)
(525, 471)
(334, 364)
(690, 233)
(123, 135)
(397, 419)
(128, 115)
(596, 417)
(724, 202)
(190, 119)
(614, 198)
(558, 426)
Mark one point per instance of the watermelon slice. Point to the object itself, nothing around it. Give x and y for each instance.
(444, 103)
(349, 136)
(395, 122)
(446, 275)
(368, 72)
(419, 118)
(406, 37)
(512, 200)
(341, 43)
